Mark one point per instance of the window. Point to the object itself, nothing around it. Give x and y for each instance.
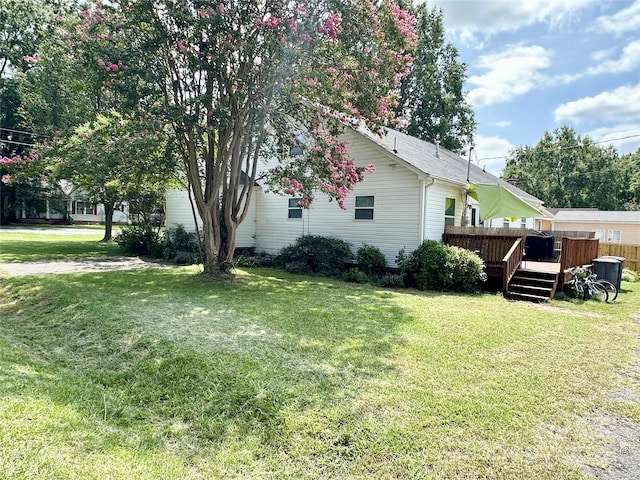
(82, 208)
(506, 223)
(523, 222)
(364, 207)
(449, 211)
(614, 236)
(295, 211)
(599, 234)
(296, 145)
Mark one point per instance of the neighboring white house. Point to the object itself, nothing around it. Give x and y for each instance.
(416, 189)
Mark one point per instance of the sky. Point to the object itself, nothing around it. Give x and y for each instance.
(536, 65)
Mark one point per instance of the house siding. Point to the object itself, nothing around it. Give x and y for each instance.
(629, 232)
(178, 212)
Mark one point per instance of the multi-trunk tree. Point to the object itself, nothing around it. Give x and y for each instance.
(239, 81)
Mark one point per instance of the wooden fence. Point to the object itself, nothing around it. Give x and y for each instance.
(577, 252)
(631, 253)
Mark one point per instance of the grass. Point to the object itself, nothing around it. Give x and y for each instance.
(161, 374)
(33, 247)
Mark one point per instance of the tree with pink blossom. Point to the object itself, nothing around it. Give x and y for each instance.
(239, 81)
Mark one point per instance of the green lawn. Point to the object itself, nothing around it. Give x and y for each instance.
(33, 247)
(155, 374)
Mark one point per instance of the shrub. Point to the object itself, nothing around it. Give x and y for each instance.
(371, 260)
(355, 275)
(140, 239)
(436, 266)
(181, 247)
(629, 275)
(312, 254)
(251, 260)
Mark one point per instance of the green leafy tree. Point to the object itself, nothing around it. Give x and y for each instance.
(240, 80)
(433, 99)
(23, 26)
(112, 160)
(569, 171)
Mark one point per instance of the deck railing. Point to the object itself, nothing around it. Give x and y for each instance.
(576, 252)
(491, 246)
(510, 262)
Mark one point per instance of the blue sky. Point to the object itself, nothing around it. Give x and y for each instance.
(535, 65)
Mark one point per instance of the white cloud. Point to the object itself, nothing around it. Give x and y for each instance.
(465, 18)
(628, 62)
(624, 137)
(502, 123)
(625, 20)
(491, 153)
(509, 74)
(620, 104)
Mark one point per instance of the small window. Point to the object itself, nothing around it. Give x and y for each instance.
(523, 222)
(599, 234)
(449, 211)
(295, 210)
(364, 207)
(614, 236)
(506, 223)
(296, 147)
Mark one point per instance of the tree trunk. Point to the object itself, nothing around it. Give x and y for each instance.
(108, 222)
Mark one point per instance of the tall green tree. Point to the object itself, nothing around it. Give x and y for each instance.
(240, 80)
(567, 170)
(23, 26)
(433, 98)
(112, 160)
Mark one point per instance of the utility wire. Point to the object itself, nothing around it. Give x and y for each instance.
(572, 147)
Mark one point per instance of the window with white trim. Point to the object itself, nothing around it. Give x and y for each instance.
(295, 210)
(364, 207)
(614, 236)
(599, 234)
(523, 222)
(82, 208)
(449, 211)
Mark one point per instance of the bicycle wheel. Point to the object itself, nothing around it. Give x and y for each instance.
(611, 288)
(597, 292)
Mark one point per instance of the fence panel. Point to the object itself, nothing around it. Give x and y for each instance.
(630, 252)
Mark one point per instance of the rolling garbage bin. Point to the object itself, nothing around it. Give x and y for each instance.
(621, 261)
(608, 269)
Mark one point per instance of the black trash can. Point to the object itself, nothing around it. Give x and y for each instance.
(608, 269)
(621, 261)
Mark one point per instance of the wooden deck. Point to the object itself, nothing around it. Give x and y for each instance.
(502, 251)
(543, 267)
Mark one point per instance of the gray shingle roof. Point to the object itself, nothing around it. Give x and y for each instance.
(448, 166)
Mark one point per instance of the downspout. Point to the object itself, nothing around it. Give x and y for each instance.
(424, 185)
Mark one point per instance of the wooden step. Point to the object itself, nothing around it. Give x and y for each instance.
(531, 286)
(527, 297)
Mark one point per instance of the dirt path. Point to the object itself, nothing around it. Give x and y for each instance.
(105, 264)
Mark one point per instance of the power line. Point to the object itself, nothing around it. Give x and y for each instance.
(572, 147)
(19, 131)
(17, 143)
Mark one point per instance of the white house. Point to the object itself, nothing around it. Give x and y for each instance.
(416, 189)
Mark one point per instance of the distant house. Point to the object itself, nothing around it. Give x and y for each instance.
(417, 189)
(609, 226)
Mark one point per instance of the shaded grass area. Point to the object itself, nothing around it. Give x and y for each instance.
(162, 374)
(33, 247)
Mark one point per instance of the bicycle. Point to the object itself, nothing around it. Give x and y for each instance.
(587, 286)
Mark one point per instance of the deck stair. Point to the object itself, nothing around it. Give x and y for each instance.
(532, 286)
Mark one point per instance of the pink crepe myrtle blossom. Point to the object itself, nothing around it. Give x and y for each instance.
(6, 179)
(331, 25)
(33, 59)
